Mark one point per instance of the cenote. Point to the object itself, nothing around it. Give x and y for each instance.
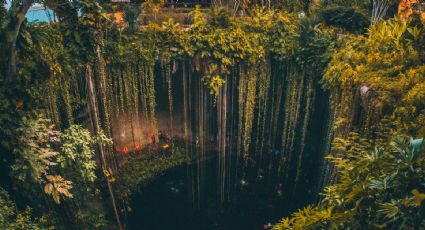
(212, 115)
(244, 171)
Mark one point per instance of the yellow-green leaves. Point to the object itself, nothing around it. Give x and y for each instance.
(77, 151)
(57, 187)
(214, 83)
(388, 62)
(419, 197)
(373, 191)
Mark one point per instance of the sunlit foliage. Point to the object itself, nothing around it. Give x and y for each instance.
(389, 62)
(376, 190)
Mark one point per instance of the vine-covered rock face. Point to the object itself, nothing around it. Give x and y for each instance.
(377, 93)
(269, 63)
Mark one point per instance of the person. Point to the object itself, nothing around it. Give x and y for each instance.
(148, 135)
(153, 138)
(161, 136)
(260, 175)
(166, 137)
(279, 191)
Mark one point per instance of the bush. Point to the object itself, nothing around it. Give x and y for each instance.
(381, 189)
(348, 18)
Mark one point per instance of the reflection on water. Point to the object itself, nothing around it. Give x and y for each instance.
(169, 202)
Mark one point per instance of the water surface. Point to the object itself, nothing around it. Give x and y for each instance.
(172, 201)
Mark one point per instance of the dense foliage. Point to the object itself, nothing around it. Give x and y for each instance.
(375, 77)
(389, 62)
(10, 219)
(376, 83)
(377, 189)
(60, 165)
(348, 18)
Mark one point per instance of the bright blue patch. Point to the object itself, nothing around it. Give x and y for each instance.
(40, 16)
(416, 143)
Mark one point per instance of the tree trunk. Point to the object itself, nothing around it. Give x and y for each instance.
(104, 107)
(96, 129)
(19, 19)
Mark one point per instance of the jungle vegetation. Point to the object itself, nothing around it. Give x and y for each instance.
(64, 85)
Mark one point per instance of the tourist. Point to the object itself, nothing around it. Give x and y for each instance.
(166, 137)
(161, 136)
(153, 138)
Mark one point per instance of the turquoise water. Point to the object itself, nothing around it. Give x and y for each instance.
(36, 15)
(40, 16)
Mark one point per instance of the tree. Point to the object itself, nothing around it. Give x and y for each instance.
(96, 128)
(17, 11)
